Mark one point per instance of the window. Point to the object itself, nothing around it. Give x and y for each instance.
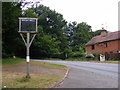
(93, 47)
(105, 45)
(111, 52)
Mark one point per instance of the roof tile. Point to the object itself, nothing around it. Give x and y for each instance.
(109, 37)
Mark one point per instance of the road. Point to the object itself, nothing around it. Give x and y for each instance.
(89, 74)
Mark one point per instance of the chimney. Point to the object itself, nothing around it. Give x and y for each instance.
(103, 32)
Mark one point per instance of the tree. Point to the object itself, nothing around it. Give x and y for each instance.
(97, 32)
(82, 34)
(10, 37)
(51, 40)
(55, 38)
(78, 35)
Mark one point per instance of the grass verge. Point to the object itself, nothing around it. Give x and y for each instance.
(37, 80)
(95, 61)
(112, 62)
(12, 61)
(16, 79)
(83, 60)
(49, 65)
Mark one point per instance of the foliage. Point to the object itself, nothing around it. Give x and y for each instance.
(11, 41)
(77, 54)
(55, 38)
(51, 40)
(78, 35)
(89, 56)
(97, 32)
(45, 45)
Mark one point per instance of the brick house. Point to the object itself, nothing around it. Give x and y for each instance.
(105, 43)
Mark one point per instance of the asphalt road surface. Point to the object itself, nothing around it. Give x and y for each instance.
(89, 75)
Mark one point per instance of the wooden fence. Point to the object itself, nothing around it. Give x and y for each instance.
(112, 56)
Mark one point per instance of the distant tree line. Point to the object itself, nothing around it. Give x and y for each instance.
(56, 38)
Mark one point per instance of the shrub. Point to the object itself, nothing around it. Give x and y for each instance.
(89, 56)
(77, 54)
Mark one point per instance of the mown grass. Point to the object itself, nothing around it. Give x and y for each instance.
(12, 61)
(49, 65)
(18, 80)
(37, 81)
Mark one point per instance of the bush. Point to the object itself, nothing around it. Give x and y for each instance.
(77, 54)
(97, 56)
(5, 55)
(89, 56)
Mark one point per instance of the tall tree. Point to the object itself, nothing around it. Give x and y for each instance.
(10, 38)
(82, 33)
(78, 35)
(51, 40)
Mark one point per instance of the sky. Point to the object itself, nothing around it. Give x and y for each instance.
(96, 13)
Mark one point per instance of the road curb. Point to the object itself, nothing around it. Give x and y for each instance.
(58, 83)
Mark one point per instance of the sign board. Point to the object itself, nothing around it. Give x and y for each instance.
(28, 25)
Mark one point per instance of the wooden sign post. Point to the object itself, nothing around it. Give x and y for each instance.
(28, 26)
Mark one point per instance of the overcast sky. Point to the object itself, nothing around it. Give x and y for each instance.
(93, 12)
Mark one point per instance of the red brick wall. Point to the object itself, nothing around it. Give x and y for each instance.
(112, 47)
